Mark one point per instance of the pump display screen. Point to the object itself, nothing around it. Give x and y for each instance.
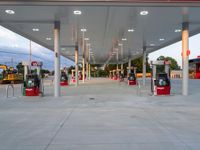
(162, 80)
(131, 76)
(63, 77)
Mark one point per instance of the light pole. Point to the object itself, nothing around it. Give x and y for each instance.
(77, 13)
(83, 50)
(122, 52)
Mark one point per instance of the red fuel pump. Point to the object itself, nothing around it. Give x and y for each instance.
(111, 75)
(73, 80)
(194, 68)
(64, 78)
(33, 85)
(80, 76)
(160, 81)
(132, 76)
(115, 77)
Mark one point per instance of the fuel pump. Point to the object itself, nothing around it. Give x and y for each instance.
(64, 77)
(160, 81)
(111, 75)
(120, 74)
(73, 80)
(80, 75)
(115, 77)
(33, 85)
(132, 80)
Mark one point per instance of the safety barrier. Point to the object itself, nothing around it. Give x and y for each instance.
(7, 90)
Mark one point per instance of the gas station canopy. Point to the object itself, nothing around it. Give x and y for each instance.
(108, 26)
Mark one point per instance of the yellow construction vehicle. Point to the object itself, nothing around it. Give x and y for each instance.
(9, 75)
(3, 69)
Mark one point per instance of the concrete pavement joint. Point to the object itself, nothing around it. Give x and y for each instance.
(172, 133)
(60, 127)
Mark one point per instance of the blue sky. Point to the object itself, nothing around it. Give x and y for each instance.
(175, 50)
(15, 48)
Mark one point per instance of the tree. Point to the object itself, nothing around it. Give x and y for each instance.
(138, 63)
(173, 66)
(70, 69)
(20, 68)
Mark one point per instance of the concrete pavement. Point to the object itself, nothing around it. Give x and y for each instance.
(101, 115)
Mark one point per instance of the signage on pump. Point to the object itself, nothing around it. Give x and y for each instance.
(36, 63)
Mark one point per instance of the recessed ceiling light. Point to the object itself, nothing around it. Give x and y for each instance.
(120, 44)
(35, 29)
(124, 39)
(83, 30)
(144, 12)
(9, 11)
(77, 12)
(152, 44)
(131, 30)
(161, 39)
(48, 39)
(177, 30)
(87, 39)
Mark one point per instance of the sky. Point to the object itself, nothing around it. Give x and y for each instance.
(175, 50)
(15, 48)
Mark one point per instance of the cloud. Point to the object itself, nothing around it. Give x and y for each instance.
(7, 34)
(17, 47)
(41, 51)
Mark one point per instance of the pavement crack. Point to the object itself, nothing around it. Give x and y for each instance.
(60, 127)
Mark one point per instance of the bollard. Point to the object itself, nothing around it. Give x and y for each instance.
(7, 90)
(138, 88)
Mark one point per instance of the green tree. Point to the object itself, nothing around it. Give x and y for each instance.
(173, 66)
(20, 68)
(70, 69)
(139, 64)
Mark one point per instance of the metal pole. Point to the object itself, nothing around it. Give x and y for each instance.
(122, 52)
(144, 67)
(25, 71)
(122, 67)
(89, 71)
(76, 65)
(89, 67)
(122, 56)
(57, 59)
(117, 70)
(30, 54)
(87, 63)
(83, 65)
(129, 66)
(185, 47)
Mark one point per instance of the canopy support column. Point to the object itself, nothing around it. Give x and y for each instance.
(144, 66)
(76, 65)
(57, 59)
(185, 55)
